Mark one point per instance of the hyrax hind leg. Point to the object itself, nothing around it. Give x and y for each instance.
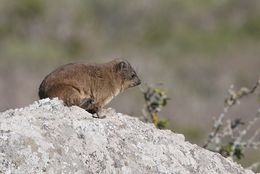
(86, 102)
(72, 96)
(69, 94)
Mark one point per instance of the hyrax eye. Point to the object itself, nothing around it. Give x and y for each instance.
(133, 76)
(122, 66)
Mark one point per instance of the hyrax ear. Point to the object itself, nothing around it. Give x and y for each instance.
(121, 66)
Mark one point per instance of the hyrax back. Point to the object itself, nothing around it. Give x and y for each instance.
(90, 86)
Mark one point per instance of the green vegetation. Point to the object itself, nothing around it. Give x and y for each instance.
(155, 99)
(167, 27)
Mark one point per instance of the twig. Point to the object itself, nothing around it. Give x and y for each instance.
(243, 133)
(229, 103)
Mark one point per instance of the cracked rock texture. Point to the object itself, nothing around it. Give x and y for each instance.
(47, 137)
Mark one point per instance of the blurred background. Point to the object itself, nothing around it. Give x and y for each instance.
(197, 49)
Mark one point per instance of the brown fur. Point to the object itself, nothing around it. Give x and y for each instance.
(74, 83)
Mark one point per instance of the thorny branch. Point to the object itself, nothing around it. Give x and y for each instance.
(234, 97)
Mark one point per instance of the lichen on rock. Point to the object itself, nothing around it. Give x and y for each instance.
(47, 137)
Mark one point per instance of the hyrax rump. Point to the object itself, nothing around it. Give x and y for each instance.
(89, 86)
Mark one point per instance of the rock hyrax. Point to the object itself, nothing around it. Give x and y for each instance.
(90, 86)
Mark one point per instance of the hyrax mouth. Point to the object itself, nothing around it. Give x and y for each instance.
(138, 82)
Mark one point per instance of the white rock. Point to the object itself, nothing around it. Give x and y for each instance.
(47, 137)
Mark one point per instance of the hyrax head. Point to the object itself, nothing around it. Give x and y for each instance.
(126, 74)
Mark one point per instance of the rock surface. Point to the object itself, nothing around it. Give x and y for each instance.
(47, 137)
